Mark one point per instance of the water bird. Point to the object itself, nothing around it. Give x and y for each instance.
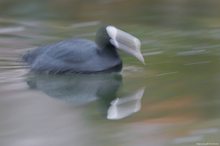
(78, 55)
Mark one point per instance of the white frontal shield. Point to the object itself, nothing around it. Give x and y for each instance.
(125, 42)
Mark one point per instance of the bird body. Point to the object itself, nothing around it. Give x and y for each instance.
(85, 56)
(75, 56)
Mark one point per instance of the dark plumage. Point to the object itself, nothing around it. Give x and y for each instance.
(80, 55)
(74, 55)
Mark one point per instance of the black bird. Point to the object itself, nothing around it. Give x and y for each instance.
(85, 56)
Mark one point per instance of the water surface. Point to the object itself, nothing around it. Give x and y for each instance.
(172, 100)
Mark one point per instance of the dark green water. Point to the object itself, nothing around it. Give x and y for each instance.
(172, 100)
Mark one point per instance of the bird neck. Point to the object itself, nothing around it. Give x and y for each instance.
(108, 51)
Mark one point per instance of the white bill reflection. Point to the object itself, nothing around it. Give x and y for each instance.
(123, 107)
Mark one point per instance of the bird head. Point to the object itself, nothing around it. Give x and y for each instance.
(112, 36)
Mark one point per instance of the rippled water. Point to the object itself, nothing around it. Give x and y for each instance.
(172, 100)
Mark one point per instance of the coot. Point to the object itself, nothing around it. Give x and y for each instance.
(85, 56)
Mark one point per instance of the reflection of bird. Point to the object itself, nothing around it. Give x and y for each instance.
(77, 88)
(85, 56)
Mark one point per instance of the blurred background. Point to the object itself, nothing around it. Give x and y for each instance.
(172, 100)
